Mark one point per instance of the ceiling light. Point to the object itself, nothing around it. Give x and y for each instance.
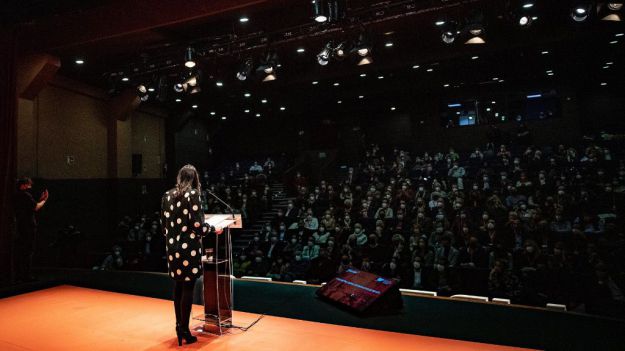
(247, 95)
(246, 111)
(339, 102)
(301, 50)
(430, 70)
(528, 5)
(380, 77)
(475, 57)
(609, 63)
(614, 42)
(315, 82)
(194, 106)
(525, 21)
(336, 84)
(188, 58)
(439, 23)
(603, 84)
(150, 89)
(219, 84)
(363, 75)
(446, 85)
(213, 113)
(361, 96)
(534, 96)
(244, 19)
(606, 67)
(258, 115)
(178, 100)
(389, 44)
(619, 34)
(282, 108)
(393, 108)
(125, 79)
(545, 52)
(223, 118)
(264, 101)
(79, 61)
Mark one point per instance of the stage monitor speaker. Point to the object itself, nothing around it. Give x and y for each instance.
(362, 292)
(137, 164)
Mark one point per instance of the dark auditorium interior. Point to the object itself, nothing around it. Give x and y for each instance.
(472, 152)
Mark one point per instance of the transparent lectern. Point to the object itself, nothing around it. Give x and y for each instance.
(217, 265)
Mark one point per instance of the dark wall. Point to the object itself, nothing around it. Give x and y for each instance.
(93, 206)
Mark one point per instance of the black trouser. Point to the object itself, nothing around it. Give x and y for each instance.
(24, 249)
(183, 299)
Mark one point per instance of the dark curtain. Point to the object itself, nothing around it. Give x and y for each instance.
(8, 147)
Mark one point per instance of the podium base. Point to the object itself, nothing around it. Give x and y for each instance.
(213, 324)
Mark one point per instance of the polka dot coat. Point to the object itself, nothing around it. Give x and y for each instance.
(183, 225)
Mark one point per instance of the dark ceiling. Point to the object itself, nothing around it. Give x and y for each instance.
(520, 58)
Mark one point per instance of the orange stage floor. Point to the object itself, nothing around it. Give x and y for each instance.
(73, 318)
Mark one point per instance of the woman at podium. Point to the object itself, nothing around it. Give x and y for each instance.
(182, 222)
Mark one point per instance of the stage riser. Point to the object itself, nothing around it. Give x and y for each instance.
(489, 323)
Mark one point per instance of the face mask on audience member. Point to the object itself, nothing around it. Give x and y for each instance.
(439, 230)
(529, 249)
(485, 217)
(416, 265)
(440, 217)
(490, 226)
(256, 239)
(298, 258)
(475, 187)
(258, 259)
(440, 267)
(393, 265)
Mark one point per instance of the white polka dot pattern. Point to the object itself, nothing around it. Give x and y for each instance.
(182, 240)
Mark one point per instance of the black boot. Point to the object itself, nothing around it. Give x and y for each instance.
(187, 336)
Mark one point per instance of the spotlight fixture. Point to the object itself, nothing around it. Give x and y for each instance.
(610, 11)
(362, 47)
(268, 65)
(188, 58)
(323, 57)
(142, 92)
(448, 32)
(580, 11)
(475, 28)
(320, 13)
(245, 70)
(339, 51)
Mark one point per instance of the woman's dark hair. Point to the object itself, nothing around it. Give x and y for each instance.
(187, 179)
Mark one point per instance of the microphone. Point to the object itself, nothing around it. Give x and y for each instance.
(222, 201)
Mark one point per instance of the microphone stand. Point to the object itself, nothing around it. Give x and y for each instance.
(229, 252)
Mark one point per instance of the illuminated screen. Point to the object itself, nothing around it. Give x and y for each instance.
(356, 289)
